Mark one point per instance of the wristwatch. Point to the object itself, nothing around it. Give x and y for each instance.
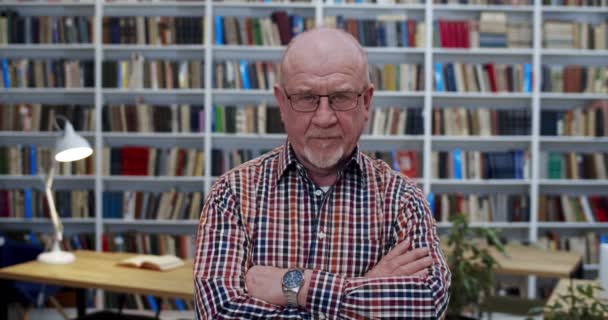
(292, 283)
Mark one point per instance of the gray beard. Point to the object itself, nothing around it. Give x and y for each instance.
(324, 160)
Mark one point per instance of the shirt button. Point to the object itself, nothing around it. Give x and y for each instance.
(321, 316)
(321, 235)
(319, 193)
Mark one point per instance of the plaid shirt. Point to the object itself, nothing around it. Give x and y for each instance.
(269, 212)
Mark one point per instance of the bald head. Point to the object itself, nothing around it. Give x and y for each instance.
(324, 47)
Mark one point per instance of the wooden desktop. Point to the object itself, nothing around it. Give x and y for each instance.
(99, 270)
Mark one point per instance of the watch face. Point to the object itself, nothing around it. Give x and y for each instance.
(293, 279)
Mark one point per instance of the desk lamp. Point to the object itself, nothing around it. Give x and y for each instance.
(69, 147)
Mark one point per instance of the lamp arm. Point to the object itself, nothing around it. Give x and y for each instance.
(51, 203)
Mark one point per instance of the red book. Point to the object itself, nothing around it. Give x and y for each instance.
(491, 76)
(282, 20)
(134, 161)
(180, 163)
(411, 33)
(442, 33)
(466, 33)
(407, 161)
(248, 32)
(600, 212)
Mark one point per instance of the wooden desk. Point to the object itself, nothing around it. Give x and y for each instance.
(562, 288)
(532, 261)
(98, 270)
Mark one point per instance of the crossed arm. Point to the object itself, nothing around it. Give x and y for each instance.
(410, 281)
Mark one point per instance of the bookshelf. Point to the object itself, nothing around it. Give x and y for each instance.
(210, 52)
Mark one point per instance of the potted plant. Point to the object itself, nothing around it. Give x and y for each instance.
(471, 266)
(578, 303)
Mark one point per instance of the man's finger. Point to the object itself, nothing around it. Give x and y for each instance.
(414, 267)
(422, 273)
(408, 257)
(399, 249)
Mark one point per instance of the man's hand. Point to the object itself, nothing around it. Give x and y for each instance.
(264, 283)
(401, 261)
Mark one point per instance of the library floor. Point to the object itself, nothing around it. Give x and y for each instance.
(46, 314)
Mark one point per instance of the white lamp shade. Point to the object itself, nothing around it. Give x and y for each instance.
(71, 146)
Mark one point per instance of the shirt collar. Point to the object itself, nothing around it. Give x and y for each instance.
(288, 161)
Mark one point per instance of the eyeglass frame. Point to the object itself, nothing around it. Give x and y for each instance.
(356, 104)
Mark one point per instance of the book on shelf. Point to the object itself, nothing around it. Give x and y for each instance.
(24, 159)
(17, 29)
(575, 165)
(460, 121)
(139, 73)
(572, 208)
(276, 30)
(395, 121)
(47, 73)
(492, 30)
(246, 119)
(154, 30)
(574, 78)
(16, 203)
(182, 118)
(558, 34)
(460, 164)
(152, 262)
(37, 117)
(487, 77)
(262, 75)
(397, 77)
(590, 120)
(576, 3)
(482, 207)
(486, 2)
(147, 161)
(387, 30)
(141, 205)
(408, 162)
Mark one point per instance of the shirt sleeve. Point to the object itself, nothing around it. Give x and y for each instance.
(221, 263)
(334, 297)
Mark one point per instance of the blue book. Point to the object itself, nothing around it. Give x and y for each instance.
(245, 75)
(403, 33)
(27, 193)
(527, 77)
(395, 163)
(518, 158)
(6, 73)
(297, 24)
(450, 78)
(431, 199)
(180, 305)
(457, 164)
(219, 30)
(152, 303)
(380, 35)
(438, 77)
(76, 242)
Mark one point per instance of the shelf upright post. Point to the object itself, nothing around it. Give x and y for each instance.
(534, 147)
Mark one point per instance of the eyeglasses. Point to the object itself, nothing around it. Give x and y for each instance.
(338, 101)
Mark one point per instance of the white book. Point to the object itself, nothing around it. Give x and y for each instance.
(586, 208)
(152, 262)
(262, 117)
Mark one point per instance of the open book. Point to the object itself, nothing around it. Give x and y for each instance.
(160, 263)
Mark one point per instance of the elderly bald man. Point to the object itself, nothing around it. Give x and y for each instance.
(315, 229)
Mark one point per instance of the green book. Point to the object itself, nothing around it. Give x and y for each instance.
(555, 166)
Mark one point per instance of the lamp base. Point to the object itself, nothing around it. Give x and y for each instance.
(56, 256)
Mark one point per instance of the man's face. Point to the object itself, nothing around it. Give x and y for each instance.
(324, 137)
